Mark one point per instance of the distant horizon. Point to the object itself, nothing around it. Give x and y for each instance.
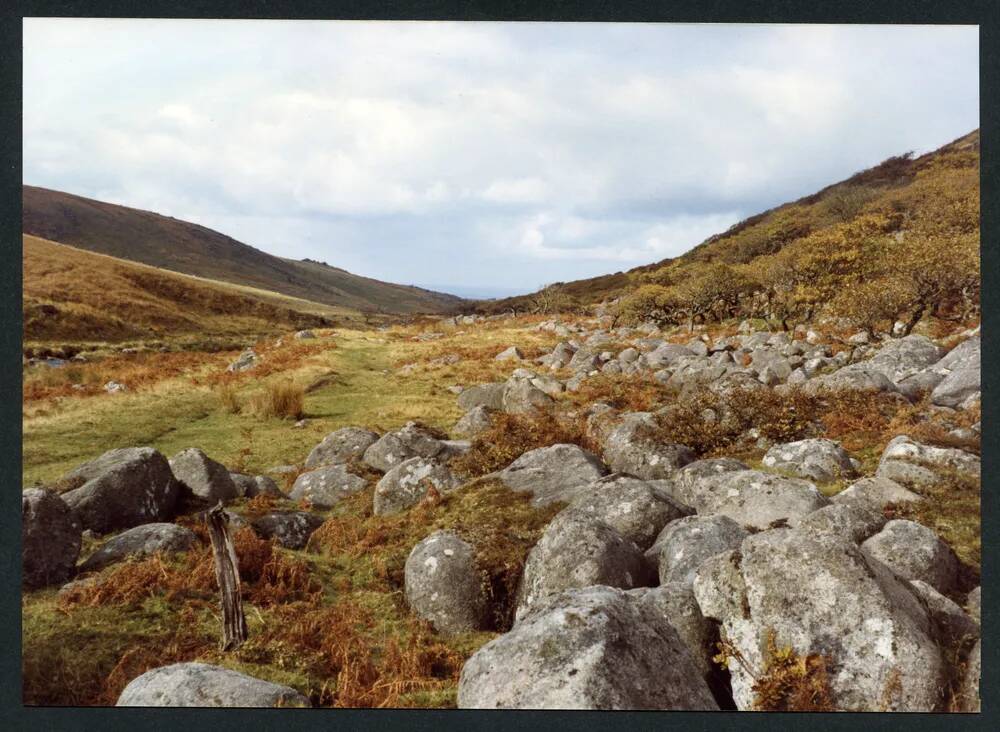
(451, 152)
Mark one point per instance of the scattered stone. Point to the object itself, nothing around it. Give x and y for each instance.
(291, 529)
(758, 500)
(688, 479)
(121, 489)
(476, 420)
(631, 447)
(914, 552)
(877, 491)
(954, 627)
(512, 353)
(520, 396)
(820, 460)
(444, 585)
(962, 380)
(856, 520)
(141, 541)
(684, 544)
(246, 361)
(409, 441)
(406, 484)
(305, 335)
(974, 603)
(251, 486)
(907, 461)
(483, 395)
(202, 685)
(203, 477)
(570, 654)
(114, 387)
(50, 539)
(577, 550)
(900, 358)
(325, 487)
(341, 446)
(555, 473)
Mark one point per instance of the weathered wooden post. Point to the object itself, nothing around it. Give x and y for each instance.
(227, 574)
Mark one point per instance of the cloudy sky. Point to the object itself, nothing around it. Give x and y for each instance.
(479, 158)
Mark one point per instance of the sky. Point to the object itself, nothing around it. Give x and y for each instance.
(482, 159)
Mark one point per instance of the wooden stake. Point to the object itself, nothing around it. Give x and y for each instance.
(227, 574)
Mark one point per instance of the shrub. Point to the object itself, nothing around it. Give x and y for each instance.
(282, 399)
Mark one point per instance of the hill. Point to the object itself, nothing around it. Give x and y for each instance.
(74, 295)
(168, 243)
(896, 240)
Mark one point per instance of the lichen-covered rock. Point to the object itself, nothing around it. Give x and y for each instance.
(142, 541)
(511, 354)
(251, 486)
(758, 500)
(577, 550)
(555, 473)
(632, 507)
(857, 521)
(961, 367)
(676, 602)
(483, 395)
(202, 685)
(914, 552)
(476, 420)
(50, 539)
(879, 492)
(684, 544)
(631, 447)
(522, 397)
(899, 358)
(817, 459)
(688, 479)
(203, 477)
(291, 529)
(341, 446)
(908, 461)
(953, 625)
(856, 377)
(968, 694)
(974, 604)
(325, 487)
(121, 489)
(444, 586)
(407, 484)
(593, 648)
(409, 441)
(819, 593)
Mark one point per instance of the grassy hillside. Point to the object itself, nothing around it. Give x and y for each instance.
(162, 241)
(896, 240)
(71, 295)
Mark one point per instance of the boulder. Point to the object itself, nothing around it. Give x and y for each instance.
(141, 541)
(906, 461)
(818, 459)
(879, 492)
(512, 353)
(684, 544)
(914, 552)
(548, 384)
(407, 484)
(325, 487)
(246, 361)
(409, 441)
(631, 447)
(202, 685)
(666, 355)
(121, 489)
(632, 507)
(968, 698)
(483, 395)
(675, 601)
(577, 550)
(444, 586)
(856, 377)
(291, 529)
(819, 593)
(50, 539)
(556, 473)
(305, 335)
(688, 479)
(900, 358)
(855, 520)
(476, 420)
(758, 500)
(961, 367)
(203, 477)
(592, 648)
(974, 604)
(954, 627)
(250, 486)
(520, 396)
(341, 446)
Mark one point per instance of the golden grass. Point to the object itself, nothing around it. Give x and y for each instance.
(279, 399)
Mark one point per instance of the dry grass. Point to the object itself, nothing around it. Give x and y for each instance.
(228, 399)
(280, 399)
(631, 393)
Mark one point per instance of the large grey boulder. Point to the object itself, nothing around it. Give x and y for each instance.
(855, 520)
(291, 529)
(817, 459)
(974, 604)
(121, 489)
(687, 480)
(409, 441)
(444, 586)
(511, 354)
(632, 507)
(555, 473)
(899, 358)
(341, 446)
(203, 477)
(675, 601)
(577, 550)
(202, 685)
(876, 491)
(483, 395)
(954, 627)
(592, 648)
(665, 355)
(914, 552)
(325, 487)
(684, 544)
(522, 397)
(251, 486)
(476, 420)
(855, 377)
(631, 447)
(819, 593)
(758, 500)
(907, 461)
(50, 539)
(961, 367)
(142, 541)
(407, 484)
(968, 694)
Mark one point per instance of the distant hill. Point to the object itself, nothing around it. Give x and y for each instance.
(71, 295)
(807, 251)
(162, 241)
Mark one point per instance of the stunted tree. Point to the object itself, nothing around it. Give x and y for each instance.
(715, 290)
(550, 299)
(649, 303)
